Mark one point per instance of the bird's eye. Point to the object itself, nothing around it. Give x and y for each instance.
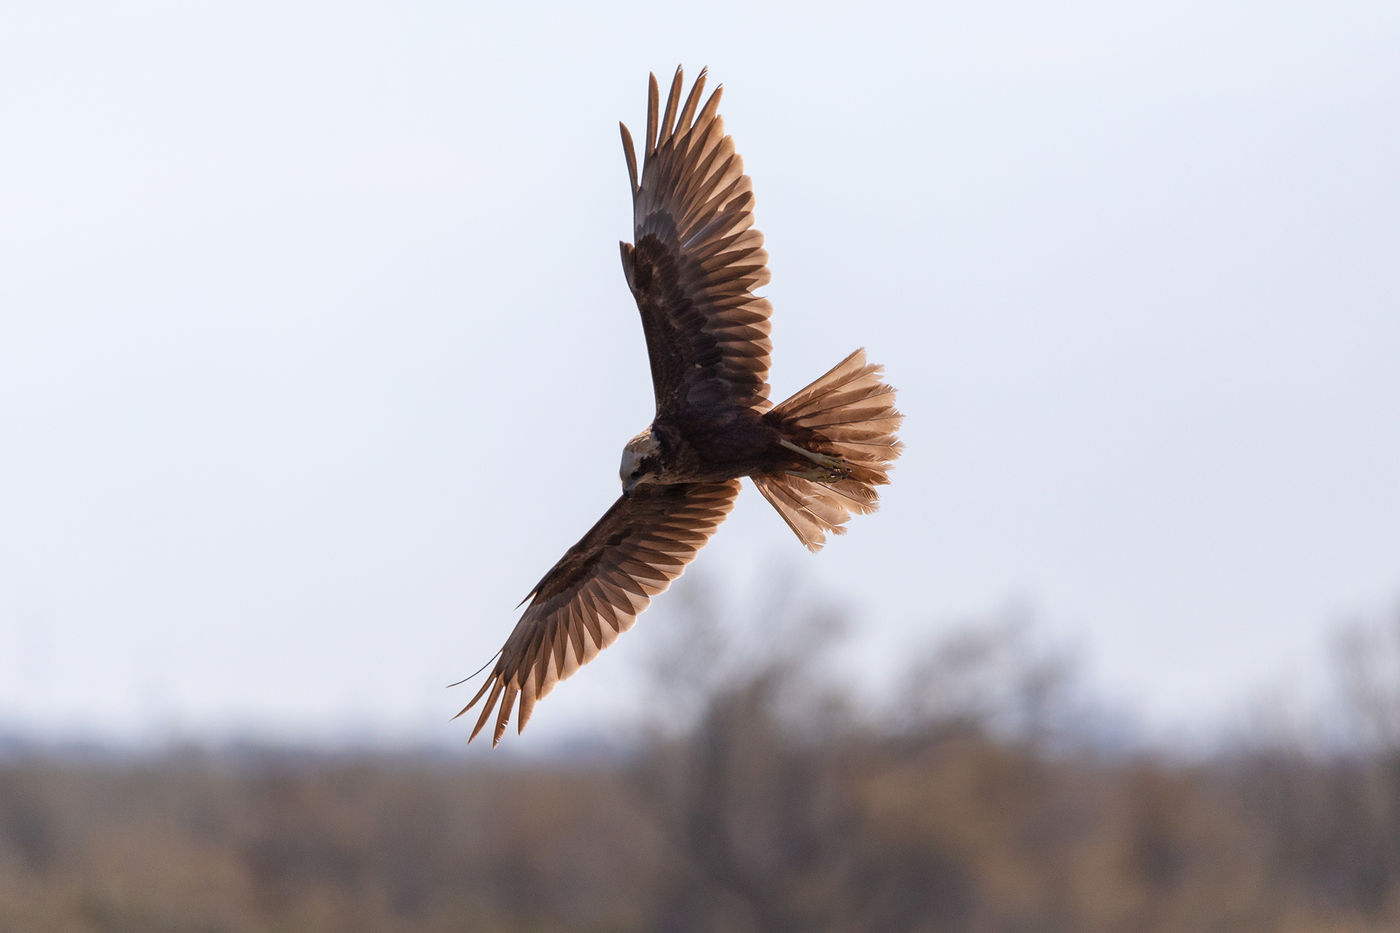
(637, 473)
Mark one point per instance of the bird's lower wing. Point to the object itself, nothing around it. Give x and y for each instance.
(598, 588)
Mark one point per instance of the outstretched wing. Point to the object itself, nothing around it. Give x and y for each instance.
(598, 589)
(697, 258)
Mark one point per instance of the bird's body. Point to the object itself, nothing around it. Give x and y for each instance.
(816, 457)
(714, 447)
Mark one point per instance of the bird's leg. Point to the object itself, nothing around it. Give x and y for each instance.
(830, 469)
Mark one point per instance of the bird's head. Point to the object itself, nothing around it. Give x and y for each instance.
(640, 461)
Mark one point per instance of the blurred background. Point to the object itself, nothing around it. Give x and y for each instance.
(315, 353)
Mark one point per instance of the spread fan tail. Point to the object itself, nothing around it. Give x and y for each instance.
(844, 423)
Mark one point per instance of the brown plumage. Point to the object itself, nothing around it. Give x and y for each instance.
(817, 457)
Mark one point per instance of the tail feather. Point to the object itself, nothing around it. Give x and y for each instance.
(849, 414)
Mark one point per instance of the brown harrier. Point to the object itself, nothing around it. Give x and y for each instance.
(816, 457)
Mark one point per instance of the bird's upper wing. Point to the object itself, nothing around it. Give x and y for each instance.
(697, 258)
(598, 588)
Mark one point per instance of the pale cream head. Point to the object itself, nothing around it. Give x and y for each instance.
(638, 449)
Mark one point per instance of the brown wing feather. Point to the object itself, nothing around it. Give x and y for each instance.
(598, 588)
(697, 258)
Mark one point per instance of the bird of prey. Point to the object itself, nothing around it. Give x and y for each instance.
(816, 457)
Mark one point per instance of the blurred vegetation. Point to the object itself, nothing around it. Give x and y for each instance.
(990, 797)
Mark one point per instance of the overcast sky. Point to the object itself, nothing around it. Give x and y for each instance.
(315, 350)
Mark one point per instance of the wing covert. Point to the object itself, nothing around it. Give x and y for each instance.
(597, 589)
(697, 257)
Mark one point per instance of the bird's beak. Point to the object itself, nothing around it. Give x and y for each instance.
(628, 485)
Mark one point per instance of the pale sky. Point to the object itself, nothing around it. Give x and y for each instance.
(315, 350)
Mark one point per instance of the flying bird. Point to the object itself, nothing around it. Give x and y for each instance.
(816, 457)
